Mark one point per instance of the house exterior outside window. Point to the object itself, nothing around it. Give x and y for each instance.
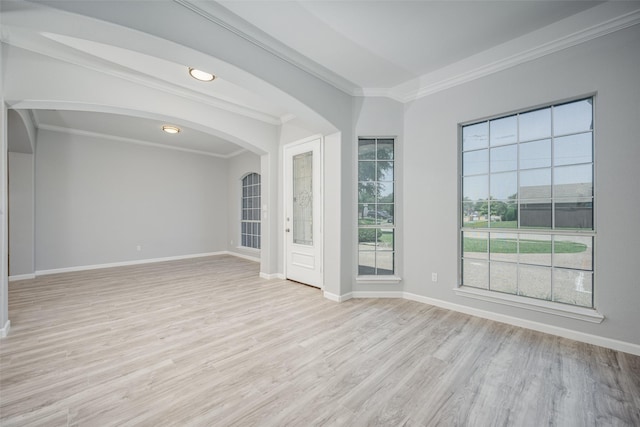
(376, 207)
(250, 222)
(526, 204)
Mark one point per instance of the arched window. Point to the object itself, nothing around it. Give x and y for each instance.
(250, 222)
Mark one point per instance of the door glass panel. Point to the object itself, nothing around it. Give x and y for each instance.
(303, 199)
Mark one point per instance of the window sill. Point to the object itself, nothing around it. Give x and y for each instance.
(548, 307)
(377, 280)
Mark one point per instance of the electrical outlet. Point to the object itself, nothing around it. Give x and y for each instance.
(434, 277)
(138, 248)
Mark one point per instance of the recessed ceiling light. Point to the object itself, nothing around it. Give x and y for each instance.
(201, 75)
(170, 129)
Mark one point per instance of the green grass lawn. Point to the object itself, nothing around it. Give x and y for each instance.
(510, 246)
(495, 224)
(387, 237)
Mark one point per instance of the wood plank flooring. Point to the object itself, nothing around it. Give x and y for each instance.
(205, 342)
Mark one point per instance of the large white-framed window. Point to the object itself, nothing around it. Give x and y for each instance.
(250, 222)
(376, 207)
(526, 203)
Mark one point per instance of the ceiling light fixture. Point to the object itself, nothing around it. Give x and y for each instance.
(203, 76)
(170, 129)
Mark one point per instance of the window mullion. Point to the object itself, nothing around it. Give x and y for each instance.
(554, 205)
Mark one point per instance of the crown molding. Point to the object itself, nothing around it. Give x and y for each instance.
(287, 118)
(79, 132)
(379, 92)
(601, 29)
(233, 154)
(415, 88)
(223, 17)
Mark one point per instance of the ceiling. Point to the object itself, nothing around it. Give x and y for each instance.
(380, 44)
(363, 47)
(135, 130)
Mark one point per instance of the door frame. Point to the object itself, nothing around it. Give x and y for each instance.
(320, 241)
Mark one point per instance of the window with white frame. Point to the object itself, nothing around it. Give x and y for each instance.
(250, 224)
(376, 207)
(527, 202)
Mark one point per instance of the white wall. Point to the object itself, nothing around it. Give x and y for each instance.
(21, 214)
(4, 240)
(293, 131)
(238, 167)
(98, 199)
(608, 66)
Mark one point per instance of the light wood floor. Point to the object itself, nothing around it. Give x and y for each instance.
(205, 342)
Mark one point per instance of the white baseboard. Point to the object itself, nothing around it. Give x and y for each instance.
(243, 256)
(17, 277)
(510, 320)
(335, 297)
(272, 276)
(528, 324)
(127, 263)
(5, 329)
(363, 294)
(377, 294)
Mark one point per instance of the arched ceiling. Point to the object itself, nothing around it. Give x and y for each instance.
(137, 130)
(87, 69)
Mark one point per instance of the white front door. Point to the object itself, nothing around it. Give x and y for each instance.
(303, 212)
